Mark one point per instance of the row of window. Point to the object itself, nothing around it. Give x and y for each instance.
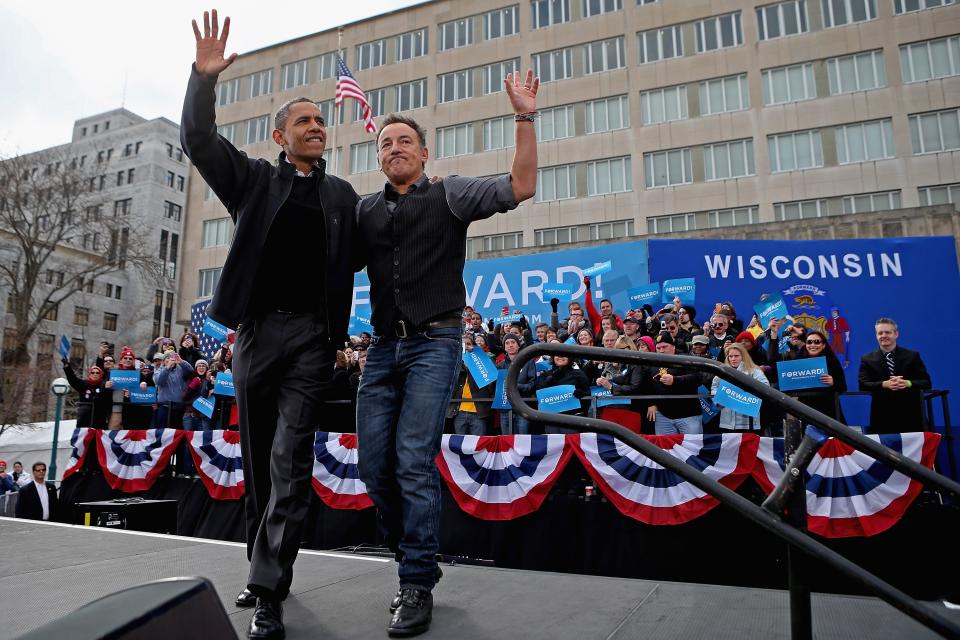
(81, 318)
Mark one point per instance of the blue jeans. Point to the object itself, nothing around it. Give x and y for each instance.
(401, 406)
(197, 423)
(666, 426)
(520, 425)
(470, 424)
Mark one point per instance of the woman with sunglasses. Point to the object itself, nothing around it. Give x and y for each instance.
(826, 400)
(93, 401)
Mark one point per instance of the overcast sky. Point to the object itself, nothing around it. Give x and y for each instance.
(61, 61)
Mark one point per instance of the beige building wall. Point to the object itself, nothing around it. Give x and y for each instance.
(903, 172)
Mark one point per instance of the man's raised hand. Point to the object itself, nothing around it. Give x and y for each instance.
(212, 44)
(523, 95)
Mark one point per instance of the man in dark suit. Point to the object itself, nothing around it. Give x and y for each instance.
(38, 500)
(897, 379)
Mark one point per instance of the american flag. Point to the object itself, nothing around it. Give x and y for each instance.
(198, 315)
(347, 87)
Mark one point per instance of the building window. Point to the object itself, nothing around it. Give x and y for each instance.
(81, 316)
(501, 22)
(558, 235)
(864, 141)
(117, 292)
(371, 54)
(672, 223)
(555, 123)
(905, 6)
(719, 32)
(607, 114)
(130, 174)
(363, 157)
(867, 202)
(108, 290)
(122, 207)
(261, 83)
(660, 44)
(609, 176)
(782, 19)
(590, 8)
(456, 34)
(942, 194)
(837, 13)
(215, 232)
(610, 230)
(549, 12)
(257, 129)
(800, 210)
(181, 183)
(498, 133)
(51, 312)
(722, 95)
(78, 353)
(120, 178)
(726, 160)
(227, 132)
(454, 141)
(207, 282)
(412, 95)
(664, 105)
(793, 151)
(933, 132)
(109, 321)
(494, 74)
(789, 84)
(293, 75)
(553, 65)
(325, 66)
(858, 72)
(603, 55)
(496, 242)
(556, 183)
(375, 98)
(457, 85)
(228, 92)
(930, 60)
(412, 45)
(172, 211)
(715, 219)
(668, 168)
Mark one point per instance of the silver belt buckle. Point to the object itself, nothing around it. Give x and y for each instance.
(401, 329)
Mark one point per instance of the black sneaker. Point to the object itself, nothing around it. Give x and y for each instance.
(414, 614)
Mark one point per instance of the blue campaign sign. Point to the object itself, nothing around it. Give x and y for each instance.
(64, 348)
(224, 384)
(708, 410)
(557, 399)
(770, 307)
(606, 398)
(125, 378)
(683, 288)
(598, 269)
(544, 365)
(359, 324)
(480, 366)
(143, 397)
(644, 294)
(737, 399)
(215, 330)
(204, 406)
(508, 319)
(801, 374)
(500, 395)
(562, 292)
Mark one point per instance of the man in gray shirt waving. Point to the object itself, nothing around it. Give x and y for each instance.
(414, 234)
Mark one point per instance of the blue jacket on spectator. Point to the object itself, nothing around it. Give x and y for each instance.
(172, 383)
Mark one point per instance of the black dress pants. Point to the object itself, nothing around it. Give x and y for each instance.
(282, 371)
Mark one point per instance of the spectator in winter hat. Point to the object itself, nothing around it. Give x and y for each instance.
(748, 342)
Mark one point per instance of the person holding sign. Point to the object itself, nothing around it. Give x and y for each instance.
(681, 415)
(286, 286)
(563, 373)
(896, 378)
(526, 383)
(826, 399)
(738, 357)
(415, 233)
(471, 415)
(93, 399)
(606, 311)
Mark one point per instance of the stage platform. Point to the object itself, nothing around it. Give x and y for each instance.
(48, 570)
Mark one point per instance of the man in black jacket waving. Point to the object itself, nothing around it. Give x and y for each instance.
(287, 285)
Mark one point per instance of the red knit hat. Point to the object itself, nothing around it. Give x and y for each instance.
(127, 351)
(746, 335)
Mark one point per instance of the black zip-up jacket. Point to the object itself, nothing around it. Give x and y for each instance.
(253, 190)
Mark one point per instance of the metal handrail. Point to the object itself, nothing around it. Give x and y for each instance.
(770, 520)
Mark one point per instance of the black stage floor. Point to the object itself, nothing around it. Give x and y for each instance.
(48, 570)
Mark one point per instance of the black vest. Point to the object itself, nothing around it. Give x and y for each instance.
(415, 256)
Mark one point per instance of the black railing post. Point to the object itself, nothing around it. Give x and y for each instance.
(801, 626)
(948, 434)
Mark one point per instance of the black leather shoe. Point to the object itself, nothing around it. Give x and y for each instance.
(395, 603)
(267, 621)
(414, 614)
(245, 599)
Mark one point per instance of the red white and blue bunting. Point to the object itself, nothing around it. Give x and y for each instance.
(502, 477)
(79, 445)
(643, 490)
(849, 494)
(217, 459)
(335, 476)
(133, 460)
